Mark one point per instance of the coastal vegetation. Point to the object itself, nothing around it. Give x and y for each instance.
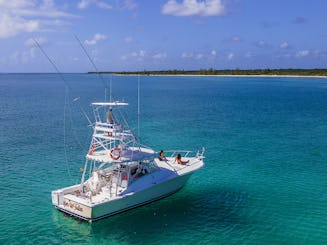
(235, 72)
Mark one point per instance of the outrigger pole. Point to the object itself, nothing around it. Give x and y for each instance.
(52, 63)
(95, 67)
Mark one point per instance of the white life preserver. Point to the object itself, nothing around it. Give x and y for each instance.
(115, 153)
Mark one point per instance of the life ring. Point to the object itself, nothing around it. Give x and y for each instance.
(115, 153)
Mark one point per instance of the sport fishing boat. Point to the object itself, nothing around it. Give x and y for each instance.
(120, 173)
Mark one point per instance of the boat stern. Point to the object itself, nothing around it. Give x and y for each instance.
(66, 201)
(57, 197)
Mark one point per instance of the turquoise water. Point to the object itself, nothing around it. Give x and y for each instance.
(264, 182)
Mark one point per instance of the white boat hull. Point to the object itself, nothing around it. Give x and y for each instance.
(124, 202)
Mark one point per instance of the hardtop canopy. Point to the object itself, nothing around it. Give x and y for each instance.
(115, 103)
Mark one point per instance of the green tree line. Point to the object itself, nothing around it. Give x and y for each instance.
(272, 72)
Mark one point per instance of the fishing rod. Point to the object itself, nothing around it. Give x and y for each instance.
(63, 79)
(52, 63)
(68, 88)
(95, 68)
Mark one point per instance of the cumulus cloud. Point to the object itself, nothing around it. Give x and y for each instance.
(24, 16)
(160, 56)
(129, 4)
(124, 57)
(199, 56)
(249, 55)
(128, 40)
(194, 7)
(11, 25)
(302, 53)
(20, 57)
(230, 56)
(84, 4)
(185, 55)
(260, 43)
(236, 39)
(97, 37)
(138, 55)
(31, 43)
(284, 45)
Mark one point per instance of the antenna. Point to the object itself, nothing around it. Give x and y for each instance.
(138, 108)
(94, 66)
(110, 89)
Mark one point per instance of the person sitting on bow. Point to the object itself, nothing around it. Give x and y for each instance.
(162, 156)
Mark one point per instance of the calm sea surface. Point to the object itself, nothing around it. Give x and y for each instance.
(264, 182)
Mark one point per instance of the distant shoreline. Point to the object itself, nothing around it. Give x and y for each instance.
(186, 75)
(310, 73)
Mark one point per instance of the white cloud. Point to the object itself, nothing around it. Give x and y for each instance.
(186, 55)
(302, 53)
(18, 16)
(138, 55)
(194, 7)
(128, 40)
(319, 54)
(236, 39)
(12, 25)
(261, 43)
(284, 45)
(199, 56)
(103, 5)
(31, 43)
(129, 4)
(83, 4)
(249, 55)
(213, 52)
(160, 56)
(21, 57)
(230, 56)
(97, 37)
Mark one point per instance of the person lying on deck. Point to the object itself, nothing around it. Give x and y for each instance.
(178, 159)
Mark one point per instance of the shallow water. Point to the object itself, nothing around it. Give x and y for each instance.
(265, 176)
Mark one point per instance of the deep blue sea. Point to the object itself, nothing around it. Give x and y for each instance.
(264, 182)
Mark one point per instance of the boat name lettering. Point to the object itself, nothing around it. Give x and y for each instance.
(73, 205)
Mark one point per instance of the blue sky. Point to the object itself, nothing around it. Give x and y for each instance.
(129, 35)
